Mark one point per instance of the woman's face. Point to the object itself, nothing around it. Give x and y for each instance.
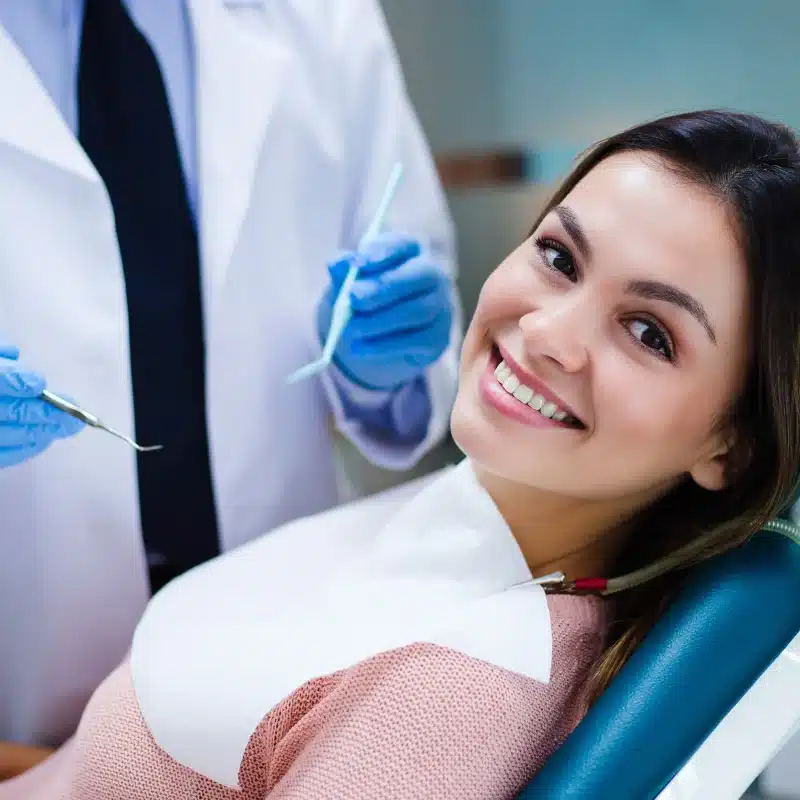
(605, 349)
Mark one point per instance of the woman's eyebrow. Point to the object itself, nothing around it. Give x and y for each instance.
(573, 227)
(655, 290)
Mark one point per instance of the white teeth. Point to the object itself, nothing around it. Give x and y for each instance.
(511, 383)
(548, 409)
(502, 371)
(523, 393)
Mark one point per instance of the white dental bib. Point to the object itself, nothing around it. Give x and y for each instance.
(219, 648)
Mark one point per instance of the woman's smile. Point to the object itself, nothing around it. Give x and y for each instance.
(508, 389)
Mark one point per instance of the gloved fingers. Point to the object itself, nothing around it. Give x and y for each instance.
(37, 412)
(68, 425)
(417, 313)
(417, 347)
(414, 278)
(20, 383)
(13, 435)
(11, 456)
(401, 367)
(9, 351)
(386, 252)
(338, 270)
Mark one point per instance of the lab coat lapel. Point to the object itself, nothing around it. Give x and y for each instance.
(238, 79)
(30, 121)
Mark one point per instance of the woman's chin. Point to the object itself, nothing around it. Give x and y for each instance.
(491, 449)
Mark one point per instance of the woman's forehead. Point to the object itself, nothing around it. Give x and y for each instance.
(639, 217)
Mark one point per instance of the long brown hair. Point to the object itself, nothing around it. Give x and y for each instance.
(753, 166)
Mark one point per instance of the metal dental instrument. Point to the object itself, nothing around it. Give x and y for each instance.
(342, 310)
(91, 420)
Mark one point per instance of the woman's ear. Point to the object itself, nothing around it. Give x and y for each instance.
(714, 471)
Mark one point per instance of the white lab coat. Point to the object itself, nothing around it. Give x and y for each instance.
(301, 114)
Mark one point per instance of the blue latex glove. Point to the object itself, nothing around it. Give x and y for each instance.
(402, 312)
(28, 425)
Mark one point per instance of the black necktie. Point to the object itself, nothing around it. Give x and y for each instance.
(126, 129)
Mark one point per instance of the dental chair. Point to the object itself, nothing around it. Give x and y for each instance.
(708, 698)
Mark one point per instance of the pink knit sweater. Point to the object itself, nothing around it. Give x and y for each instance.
(418, 722)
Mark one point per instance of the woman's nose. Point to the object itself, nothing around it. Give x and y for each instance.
(559, 332)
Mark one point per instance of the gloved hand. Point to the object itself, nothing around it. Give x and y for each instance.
(402, 312)
(28, 425)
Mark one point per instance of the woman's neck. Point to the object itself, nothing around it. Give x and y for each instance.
(581, 538)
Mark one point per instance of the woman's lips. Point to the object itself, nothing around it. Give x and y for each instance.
(536, 386)
(498, 398)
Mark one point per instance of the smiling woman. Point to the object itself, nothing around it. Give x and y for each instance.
(628, 403)
(654, 304)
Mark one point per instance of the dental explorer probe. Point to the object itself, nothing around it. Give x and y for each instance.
(342, 310)
(91, 420)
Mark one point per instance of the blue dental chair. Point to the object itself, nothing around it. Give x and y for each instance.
(707, 699)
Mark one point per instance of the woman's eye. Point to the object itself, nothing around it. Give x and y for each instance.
(651, 336)
(558, 258)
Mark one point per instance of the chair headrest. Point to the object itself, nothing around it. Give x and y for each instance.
(734, 616)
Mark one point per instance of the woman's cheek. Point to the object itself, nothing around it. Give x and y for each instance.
(653, 412)
(504, 297)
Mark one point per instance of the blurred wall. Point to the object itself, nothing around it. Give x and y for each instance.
(577, 70)
(451, 62)
(450, 65)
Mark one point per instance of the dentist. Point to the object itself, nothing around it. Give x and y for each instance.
(174, 178)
